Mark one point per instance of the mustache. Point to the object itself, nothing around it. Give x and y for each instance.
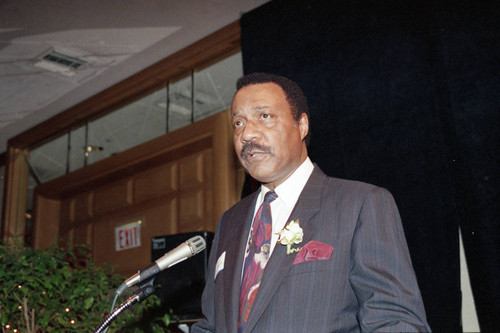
(248, 147)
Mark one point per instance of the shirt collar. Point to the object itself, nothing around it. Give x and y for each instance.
(288, 192)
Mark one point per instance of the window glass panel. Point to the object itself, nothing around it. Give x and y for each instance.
(127, 127)
(215, 86)
(77, 149)
(179, 108)
(49, 160)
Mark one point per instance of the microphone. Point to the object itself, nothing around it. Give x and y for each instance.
(182, 252)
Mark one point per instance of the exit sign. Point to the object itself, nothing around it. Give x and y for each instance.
(128, 236)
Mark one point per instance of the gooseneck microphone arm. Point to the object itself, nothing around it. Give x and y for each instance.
(137, 297)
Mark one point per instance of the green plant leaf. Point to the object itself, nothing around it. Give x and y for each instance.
(166, 319)
(43, 320)
(88, 303)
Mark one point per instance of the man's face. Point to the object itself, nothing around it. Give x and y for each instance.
(269, 143)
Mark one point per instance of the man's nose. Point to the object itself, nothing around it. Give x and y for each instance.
(251, 132)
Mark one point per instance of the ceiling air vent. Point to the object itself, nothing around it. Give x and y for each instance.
(60, 62)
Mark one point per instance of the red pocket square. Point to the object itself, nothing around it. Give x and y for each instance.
(313, 251)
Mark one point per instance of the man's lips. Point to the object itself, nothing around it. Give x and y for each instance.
(252, 154)
(252, 150)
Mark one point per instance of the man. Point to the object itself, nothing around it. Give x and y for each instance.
(337, 259)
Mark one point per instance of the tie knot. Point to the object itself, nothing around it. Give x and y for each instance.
(270, 196)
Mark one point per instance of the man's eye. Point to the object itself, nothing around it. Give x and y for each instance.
(237, 123)
(266, 115)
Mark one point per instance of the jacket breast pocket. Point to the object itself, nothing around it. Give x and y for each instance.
(316, 266)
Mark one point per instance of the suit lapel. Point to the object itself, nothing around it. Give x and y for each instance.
(279, 262)
(235, 251)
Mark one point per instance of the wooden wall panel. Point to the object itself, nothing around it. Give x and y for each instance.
(158, 181)
(83, 233)
(113, 196)
(193, 179)
(191, 213)
(46, 210)
(208, 190)
(66, 225)
(167, 224)
(187, 180)
(68, 210)
(104, 251)
(66, 236)
(83, 206)
(155, 222)
(191, 171)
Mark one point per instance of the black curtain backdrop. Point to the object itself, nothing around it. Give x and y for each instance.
(404, 95)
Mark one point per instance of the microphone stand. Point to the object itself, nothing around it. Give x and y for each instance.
(145, 290)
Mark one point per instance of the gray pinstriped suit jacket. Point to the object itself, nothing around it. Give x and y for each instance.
(368, 284)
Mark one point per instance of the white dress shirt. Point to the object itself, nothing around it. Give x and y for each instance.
(288, 193)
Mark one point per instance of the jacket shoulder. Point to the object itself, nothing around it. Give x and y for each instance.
(339, 184)
(350, 190)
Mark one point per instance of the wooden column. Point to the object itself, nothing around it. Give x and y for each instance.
(16, 190)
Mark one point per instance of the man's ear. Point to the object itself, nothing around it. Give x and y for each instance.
(303, 125)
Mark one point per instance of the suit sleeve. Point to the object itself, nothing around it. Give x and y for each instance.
(381, 272)
(208, 298)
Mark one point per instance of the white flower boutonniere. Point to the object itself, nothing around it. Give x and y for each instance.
(291, 234)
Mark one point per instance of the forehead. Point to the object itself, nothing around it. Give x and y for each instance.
(259, 95)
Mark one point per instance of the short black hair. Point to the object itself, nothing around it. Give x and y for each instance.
(294, 95)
